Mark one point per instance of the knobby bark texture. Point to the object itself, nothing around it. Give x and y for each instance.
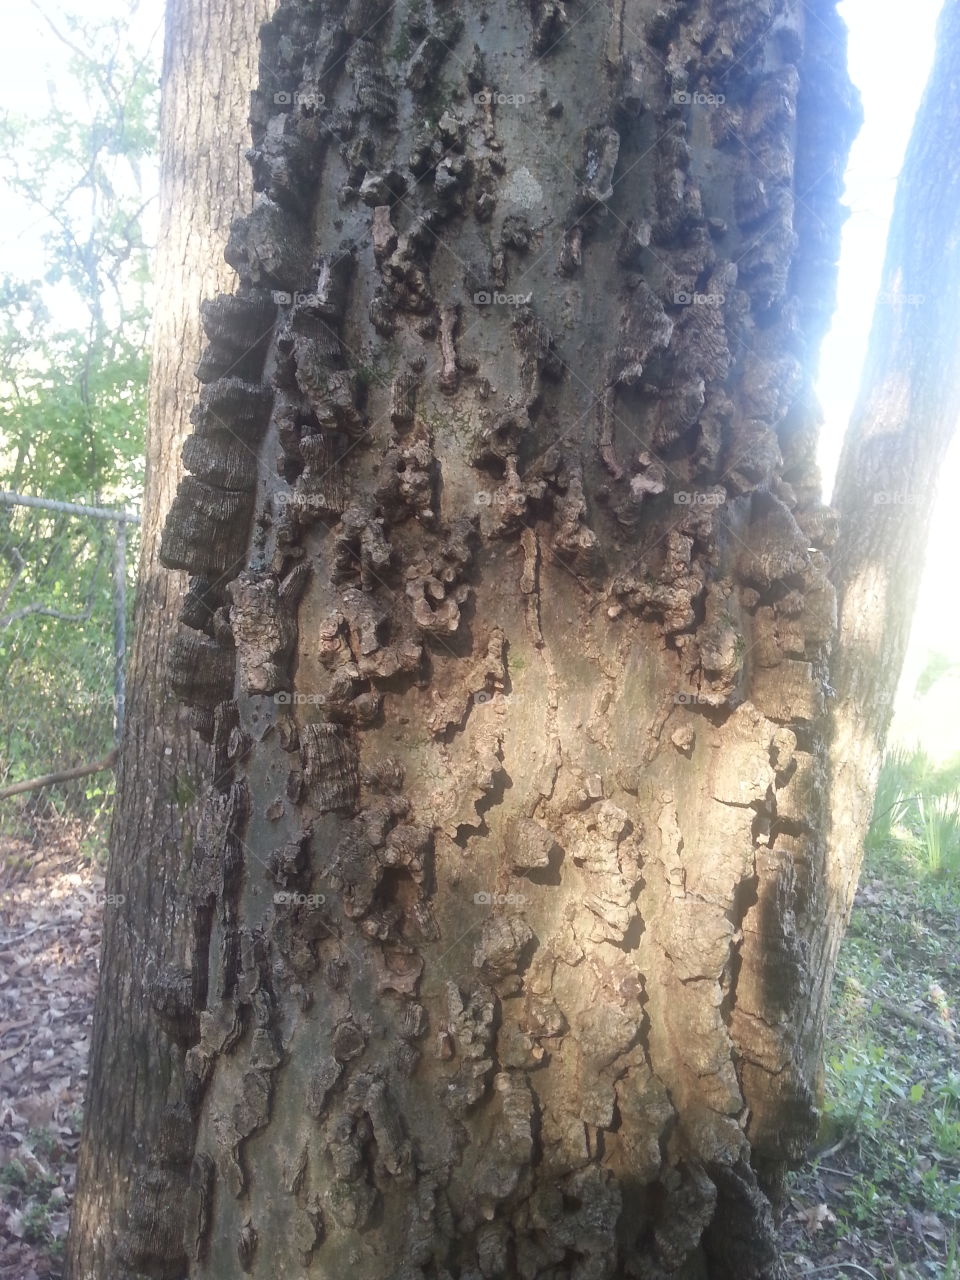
(210, 64)
(507, 623)
(902, 427)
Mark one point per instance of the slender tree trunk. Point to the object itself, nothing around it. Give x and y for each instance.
(886, 486)
(504, 886)
(136, 1147)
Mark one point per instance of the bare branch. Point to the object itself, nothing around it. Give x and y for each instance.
(64, 775)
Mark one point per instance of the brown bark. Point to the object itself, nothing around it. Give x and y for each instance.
(132, 1174)
(893, 453)
(503, 890)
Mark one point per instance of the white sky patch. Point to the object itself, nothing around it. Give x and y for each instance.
(34, 73)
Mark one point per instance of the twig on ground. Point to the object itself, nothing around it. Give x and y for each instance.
(943, 1033)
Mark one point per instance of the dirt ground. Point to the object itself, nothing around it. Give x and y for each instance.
(880, 1195)
(49, 952)
(880, 1198)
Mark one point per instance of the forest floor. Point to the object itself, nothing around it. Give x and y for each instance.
(50, 916)
(881, 1197)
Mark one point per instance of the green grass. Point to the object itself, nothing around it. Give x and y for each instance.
(923, 798)
(889, 1164)
(940, 828)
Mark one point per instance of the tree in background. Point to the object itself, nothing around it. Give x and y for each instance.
(208, 70)
(902, 426)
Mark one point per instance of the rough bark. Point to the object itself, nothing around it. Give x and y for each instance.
(504, 889)
(133, 1105)
(893, 453)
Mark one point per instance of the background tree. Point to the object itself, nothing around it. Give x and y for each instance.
(893, 454)
(134, 1105)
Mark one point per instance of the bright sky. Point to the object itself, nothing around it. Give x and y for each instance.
(889, 61)
(33, 70)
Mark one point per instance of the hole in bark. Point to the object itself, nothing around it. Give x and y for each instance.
(550, 874)
(786, 774)
(457, 643)
(202, 930)
(744, 897)
(493, 797)
(807, 740)
(397, 886)
(788, 827)
(758, 827)
(631, 939)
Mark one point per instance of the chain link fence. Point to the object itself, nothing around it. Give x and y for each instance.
(65, 570)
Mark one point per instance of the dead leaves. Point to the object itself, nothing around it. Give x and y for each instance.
(49, 950)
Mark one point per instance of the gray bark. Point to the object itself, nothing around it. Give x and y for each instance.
(510, 643)
(134, 1101)
(893, 454)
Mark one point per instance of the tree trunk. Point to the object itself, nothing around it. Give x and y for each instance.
(135, 1097)
(517, 605)
(902, 426)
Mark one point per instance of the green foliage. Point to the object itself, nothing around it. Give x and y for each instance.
(913, 792)
(952, 1260)
(886, 1169)
(36, 1224)
(73, 343)
(940, 827)
(889, 802)
(73, 376)
(37, 1184)
(937, 665)
(56, 661)
(72, 413)
(862, 1083)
